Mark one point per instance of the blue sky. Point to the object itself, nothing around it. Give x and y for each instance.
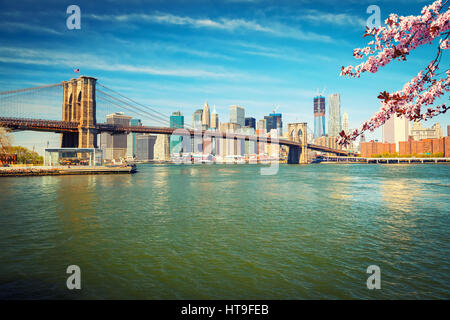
(175, 55)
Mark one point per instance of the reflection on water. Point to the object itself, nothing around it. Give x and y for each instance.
(226, 232)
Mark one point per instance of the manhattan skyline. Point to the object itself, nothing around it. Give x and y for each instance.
(257, 54)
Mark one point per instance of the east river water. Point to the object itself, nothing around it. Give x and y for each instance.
(228, 232)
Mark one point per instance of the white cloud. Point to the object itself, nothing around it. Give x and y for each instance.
(341, 19)
(276, 29)
(55, 58)
(18, 26)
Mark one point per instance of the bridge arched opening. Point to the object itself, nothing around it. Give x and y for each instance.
(296, 135)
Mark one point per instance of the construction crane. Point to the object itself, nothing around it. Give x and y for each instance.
(276, 108)
(323, 91)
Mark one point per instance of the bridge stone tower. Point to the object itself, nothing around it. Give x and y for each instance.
(79, 106)
(298, 133)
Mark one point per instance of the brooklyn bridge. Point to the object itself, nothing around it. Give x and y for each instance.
(79, 127)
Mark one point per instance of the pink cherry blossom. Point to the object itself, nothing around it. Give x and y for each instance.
(394, 42)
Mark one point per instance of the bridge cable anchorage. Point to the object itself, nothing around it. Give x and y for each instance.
(133, 108)
(30, 89)
(140, 104)
(163, 122)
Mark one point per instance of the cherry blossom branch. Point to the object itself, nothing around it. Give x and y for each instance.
(394, 42)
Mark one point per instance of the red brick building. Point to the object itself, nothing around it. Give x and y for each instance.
(371, 148)
(425, 146)
(8, 159)
(410, 147)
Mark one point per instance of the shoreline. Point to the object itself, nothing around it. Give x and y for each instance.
(58, 171)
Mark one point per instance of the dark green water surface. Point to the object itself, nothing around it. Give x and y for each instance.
(227, 232)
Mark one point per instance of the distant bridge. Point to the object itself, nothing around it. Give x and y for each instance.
(79, 127)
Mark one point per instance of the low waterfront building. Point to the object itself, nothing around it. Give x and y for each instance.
(8, 158)
(438, 146)
(426, 147)
(372, 148)
(73, 157)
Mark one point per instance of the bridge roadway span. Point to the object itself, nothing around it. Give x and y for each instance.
(65, 126)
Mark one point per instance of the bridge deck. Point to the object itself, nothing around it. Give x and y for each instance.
(65, 126)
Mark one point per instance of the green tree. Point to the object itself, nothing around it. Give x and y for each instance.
(26, 156)
(4, 141)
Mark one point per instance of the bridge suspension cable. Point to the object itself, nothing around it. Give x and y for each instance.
(157, 114)
(123, 104)
(41, 102)
(2, 93)
(101, 97)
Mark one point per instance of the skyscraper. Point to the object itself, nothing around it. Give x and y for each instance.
(250, 122)
(345, 123)
(395, 129)
(214, 120)
(145, 147)
(273, 121)
(176, 121)
(206, 120)
(115, 145)
(237, 115)
(262, 124)
(131, 139)
(197, 119)
(319, 116)
(334, 120)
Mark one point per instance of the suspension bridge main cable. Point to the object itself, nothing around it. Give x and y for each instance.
(134, 108)
(139, 104)
(30, 89)
(164, 122)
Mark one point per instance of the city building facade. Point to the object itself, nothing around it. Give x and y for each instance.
(197, 119)
(145, 147)
(418, 132)
(334, 117)
(250, 122)
(345, 125)
(176, 121)
(114, 146)
(395, 129)
(274, 121)
(372, 148)
(237, 115)
(262, 125)
(206, 117)
(131, 139)
(319, 116)
(214, 120)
